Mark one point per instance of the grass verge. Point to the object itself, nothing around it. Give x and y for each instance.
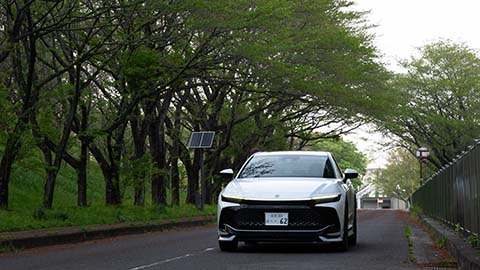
(24, 219)
(408, 234)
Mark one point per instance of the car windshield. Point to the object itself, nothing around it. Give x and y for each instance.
(288, 166)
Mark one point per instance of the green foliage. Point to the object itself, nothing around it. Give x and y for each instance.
(140, 68)
(474, 240)
(442, 242)
(401, 176)
(346, 154)
(261, 74)
(437, 100)
(408, 233)
(416, 211)
(458, 228)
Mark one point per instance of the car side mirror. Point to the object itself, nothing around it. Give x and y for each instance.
(350, 174)
(227, 173)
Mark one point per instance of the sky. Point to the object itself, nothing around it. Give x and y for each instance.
(403, 26)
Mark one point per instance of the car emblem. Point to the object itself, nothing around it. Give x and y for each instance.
(277, 196)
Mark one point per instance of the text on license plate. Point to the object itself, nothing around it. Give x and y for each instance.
(276, 219)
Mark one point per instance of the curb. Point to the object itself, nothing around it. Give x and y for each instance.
(78, 234)
(467, 257)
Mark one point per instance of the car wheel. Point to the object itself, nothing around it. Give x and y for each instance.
(352, 239)
(228, 245)
(343, 246)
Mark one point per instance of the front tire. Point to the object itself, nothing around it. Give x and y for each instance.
(228, 246)
(352, 239)
(343, 246)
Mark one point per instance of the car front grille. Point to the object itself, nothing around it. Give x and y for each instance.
(299, 218)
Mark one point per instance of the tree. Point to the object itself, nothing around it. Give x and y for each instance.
(346, 154)
(401, 176)
(127, 81)
(438, 101)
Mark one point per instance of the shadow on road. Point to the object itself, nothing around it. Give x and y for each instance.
(294, 248)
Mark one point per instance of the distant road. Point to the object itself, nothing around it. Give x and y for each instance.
(381, 245)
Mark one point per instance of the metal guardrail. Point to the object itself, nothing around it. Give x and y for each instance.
(452, 194)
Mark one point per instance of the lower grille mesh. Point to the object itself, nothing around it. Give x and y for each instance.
(312, 218)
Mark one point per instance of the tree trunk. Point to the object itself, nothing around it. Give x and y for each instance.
(157, 148)
(9, 155)
(26, 84)
(62, 146)
(192, 168)
(175, 182)
(139, 139)
(192, 177)
(49, 188)
(192, 187)
(113, 180)
(112, 193)
(82, 175)
(175, 151)
(82, 168)
(110, 175)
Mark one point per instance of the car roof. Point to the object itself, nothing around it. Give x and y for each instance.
(299, 153)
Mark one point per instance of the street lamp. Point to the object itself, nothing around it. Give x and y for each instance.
(422, 155)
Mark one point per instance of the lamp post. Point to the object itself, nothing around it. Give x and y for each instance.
(422, 155)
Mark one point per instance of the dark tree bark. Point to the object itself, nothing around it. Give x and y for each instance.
(138, 127)
(175, 151)
(83, 162)
(62, 146)
(191, 168)
(158, 149)
(8, 158)
(110, 175)
(158, 152)
(25, 84)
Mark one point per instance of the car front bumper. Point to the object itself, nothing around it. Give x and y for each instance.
(241, 222)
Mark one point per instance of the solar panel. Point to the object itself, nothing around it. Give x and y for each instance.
(201, 139)
(207, 139)
(195, 140)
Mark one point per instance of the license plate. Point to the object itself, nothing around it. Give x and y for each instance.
(276, 219)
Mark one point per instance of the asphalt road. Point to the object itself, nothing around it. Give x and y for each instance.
(381, 245)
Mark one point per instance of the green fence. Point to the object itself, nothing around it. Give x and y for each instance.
(453, 193)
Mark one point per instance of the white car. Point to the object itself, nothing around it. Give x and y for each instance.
(288, 196)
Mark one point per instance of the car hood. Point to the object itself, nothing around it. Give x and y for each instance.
(282, 188)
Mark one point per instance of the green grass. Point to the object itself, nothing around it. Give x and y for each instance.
(26, 191)
(8, 249)
(408, 234)
(442, 242)
(16, 220)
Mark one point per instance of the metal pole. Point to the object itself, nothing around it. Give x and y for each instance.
(202, 181)
(411, 193)
(421, 173)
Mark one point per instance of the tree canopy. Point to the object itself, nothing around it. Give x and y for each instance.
(346, 154)
(438, 100)
(119, 86)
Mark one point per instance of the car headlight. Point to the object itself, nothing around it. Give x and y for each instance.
(315, 200)
(232, 199)
(326, 198)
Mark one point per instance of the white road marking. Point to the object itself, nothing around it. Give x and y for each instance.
(171, 259)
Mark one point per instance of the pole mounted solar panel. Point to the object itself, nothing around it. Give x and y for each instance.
(201, 139)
